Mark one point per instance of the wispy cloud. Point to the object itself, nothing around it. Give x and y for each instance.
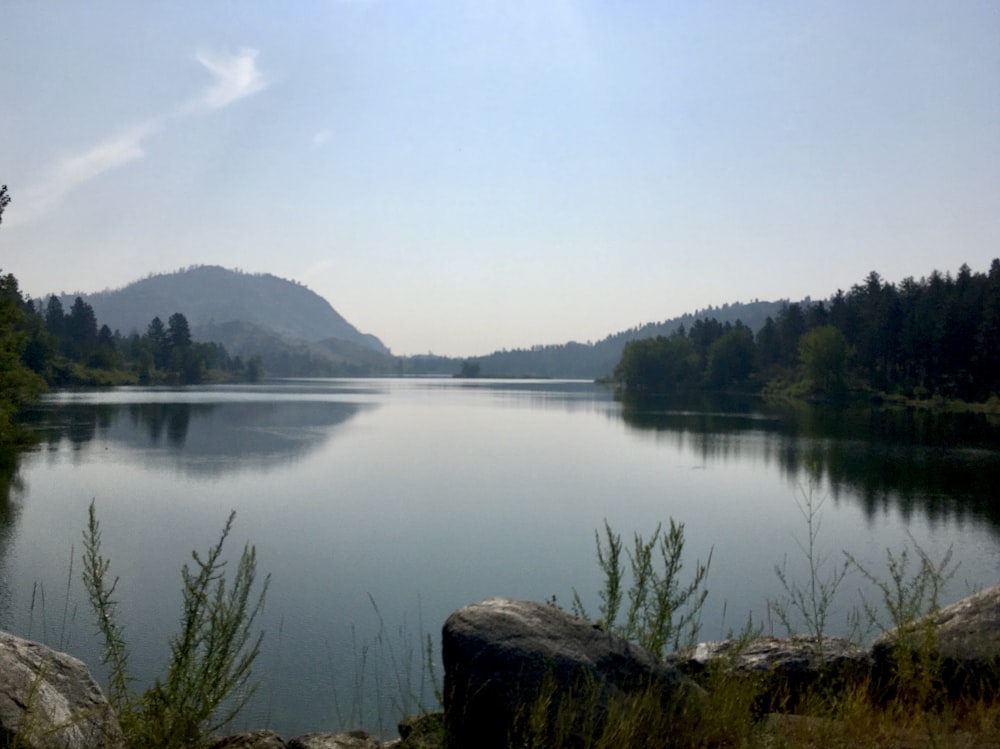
(235, 77)
(71, 171)
(321, 137)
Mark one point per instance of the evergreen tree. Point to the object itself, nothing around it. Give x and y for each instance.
(730, 357)
(178, 331)
(80, 339)
(55, 317)
(157, 342)
(18, 384)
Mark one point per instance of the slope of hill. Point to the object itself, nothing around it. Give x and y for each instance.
(212, 295)
(593, 360)
(332, 357)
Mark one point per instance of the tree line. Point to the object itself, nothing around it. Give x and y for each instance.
(937, 336)
(43, 345)
(69, 348)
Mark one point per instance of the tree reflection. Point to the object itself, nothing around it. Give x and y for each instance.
(199, 438)
(937, 464)
(10, 491)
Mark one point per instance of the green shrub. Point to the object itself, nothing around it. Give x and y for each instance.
(208, 679)
(661, 610)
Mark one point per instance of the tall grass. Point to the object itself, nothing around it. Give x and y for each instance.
(856, 710)
(208, 680)
(662, 611)
(809, 603)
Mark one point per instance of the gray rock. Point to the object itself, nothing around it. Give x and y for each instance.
(49, 699)
(424, 731)
(499, 654)
(782, 668)
(263, 739)
(796, 655)
(348, 740)
(962, 640)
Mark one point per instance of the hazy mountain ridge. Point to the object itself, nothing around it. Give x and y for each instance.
(208, 295)
(332, 357)
(593, 360)
(296, 332)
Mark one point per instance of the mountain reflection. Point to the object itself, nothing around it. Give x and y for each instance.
(200, 438)
(938, 464)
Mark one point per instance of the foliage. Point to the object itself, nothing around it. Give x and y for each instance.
(18, 384)
(908, 599)
(906, 596)
(730, 358)
(662, 612)
(208, 679)
(809, 603)
(823, 352)
(658, 364)
(939, 335)
(859, 712)
(164, 354)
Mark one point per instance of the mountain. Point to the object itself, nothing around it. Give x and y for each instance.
(593, 360)
(210, 295)
(332, 357)
(298, 333)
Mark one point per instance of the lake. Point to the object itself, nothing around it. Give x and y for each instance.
(379, 506)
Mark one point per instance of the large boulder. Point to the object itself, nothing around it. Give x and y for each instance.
(503, 657)
(961, 642)
(49, 699)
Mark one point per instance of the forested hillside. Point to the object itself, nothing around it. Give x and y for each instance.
(937, 336)
(595, 360)
(213, 295)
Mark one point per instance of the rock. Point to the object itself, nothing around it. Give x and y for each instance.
(800, 654)
(422, 731)
(500, 654)
(263, 739)
(50, 699)
(348, 740)
(961, 640)
(784, 668)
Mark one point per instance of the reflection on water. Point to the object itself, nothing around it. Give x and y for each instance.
(200, 438)
(939, 464)
(425, 495)
(10, 489)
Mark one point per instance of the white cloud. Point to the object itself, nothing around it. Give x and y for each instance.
(236, 77)
(70, 171)
(321, 137)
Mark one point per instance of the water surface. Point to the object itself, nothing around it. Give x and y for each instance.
(380, 506)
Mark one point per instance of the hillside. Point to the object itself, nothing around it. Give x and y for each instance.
(594, 360)
(298, 333)
(210, 295)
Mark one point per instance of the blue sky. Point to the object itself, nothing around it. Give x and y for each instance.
(460, 177)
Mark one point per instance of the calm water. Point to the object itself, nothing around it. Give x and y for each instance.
(419, 496)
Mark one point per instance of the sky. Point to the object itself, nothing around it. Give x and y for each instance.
(463, 177)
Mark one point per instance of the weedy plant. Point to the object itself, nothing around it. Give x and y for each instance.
(810, 602)
(909, 597)
(208, 678)
(662, 611)
(659, 611)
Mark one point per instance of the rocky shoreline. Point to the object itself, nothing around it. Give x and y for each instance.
(499, 652)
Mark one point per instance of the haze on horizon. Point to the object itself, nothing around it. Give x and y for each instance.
(461, 177)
